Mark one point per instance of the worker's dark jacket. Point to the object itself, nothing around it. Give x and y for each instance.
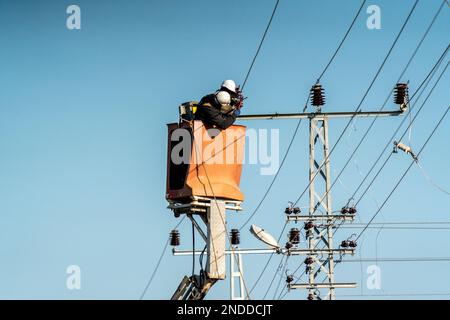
(209, 112)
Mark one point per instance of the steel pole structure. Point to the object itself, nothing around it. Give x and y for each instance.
(320, 197)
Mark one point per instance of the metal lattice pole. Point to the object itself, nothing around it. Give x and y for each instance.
(320, 197)
(320, 209)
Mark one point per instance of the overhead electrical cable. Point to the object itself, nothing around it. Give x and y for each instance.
(362, 100)
(260, 44)
(388, 144)
(294, 135)
(158, 262)
(386, 100)
(427, 78)
(404, 133)
(358, 108)
(404, 174)
(300, 120)
(342, 41)
(409, 61)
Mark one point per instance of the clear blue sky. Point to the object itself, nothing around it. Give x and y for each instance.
(83, 135)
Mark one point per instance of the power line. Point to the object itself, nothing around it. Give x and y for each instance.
(293, 138)
(403, 223)
(342, 41)
(362, 100)
(367, 91)
(390, 194)
(406, 294)
(281, 278)
(403, 259)
(393, 259)
(379, 209)
(280, 267)
(398, 228)
(390, 155)
(260, 44)
(416, 225)
(360, 103)
(406, 171)
(387, 99)
(427, 79)
(278, 171)
(300, 120)
(158, 263)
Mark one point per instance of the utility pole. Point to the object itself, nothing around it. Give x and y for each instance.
(213, 214)
(321, 220)
(320, 211)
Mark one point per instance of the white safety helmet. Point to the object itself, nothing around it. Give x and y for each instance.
(223, 98)
(230, 85)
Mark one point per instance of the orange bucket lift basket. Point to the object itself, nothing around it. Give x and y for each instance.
(204, 162)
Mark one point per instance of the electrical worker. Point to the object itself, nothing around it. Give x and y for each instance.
(221, 108)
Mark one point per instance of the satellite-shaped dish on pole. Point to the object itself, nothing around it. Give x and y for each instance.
(264, 236)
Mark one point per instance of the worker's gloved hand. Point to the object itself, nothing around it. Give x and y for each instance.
(237, 112)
